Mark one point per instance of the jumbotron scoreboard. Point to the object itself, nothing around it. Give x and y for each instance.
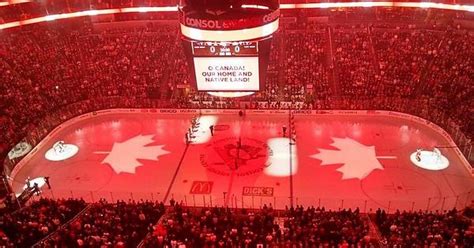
(226, 66)
(227, 42)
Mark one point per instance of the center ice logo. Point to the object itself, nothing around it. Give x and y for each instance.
(123, 156)
(358, 160)
(244, 157)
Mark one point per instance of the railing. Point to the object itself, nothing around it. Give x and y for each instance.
(373, 230)
(52, 120)
(97, 196)
(41, 242)
(436, 116)
(238, 201)
(149, 235)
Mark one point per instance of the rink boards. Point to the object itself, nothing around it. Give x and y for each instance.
(338, 159)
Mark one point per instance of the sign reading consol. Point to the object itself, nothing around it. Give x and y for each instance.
(225, 20)
(228, 24)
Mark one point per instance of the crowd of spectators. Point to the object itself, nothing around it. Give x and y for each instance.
(71, 63)
(399, 52)
(293, 227)
(214, 227)
(32, 8)
(54, 71)
(120, 224)
(50, 66)
(425, 229)
(306, 67)
(354, 59)
(73, 223)
(438, 68)
(344, 228)
(28, 225)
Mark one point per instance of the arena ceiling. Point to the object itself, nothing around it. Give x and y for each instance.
(439, 4)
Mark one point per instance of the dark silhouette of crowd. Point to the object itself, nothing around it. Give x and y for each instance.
(74, 66)
(31, 9)
(225, 227)
(120, 224)
(73, 223)
(28, 225)
(425, 229)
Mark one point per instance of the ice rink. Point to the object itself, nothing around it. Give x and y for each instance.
(337, 160)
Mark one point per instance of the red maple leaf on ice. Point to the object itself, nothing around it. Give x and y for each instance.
(358, 160)
(123, 156)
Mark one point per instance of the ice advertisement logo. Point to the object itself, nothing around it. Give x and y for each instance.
(243, 157)
(124, 155)
(358, 160)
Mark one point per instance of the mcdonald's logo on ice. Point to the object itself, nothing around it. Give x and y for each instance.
(201, 187)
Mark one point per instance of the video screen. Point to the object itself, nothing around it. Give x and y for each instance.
(227, 73)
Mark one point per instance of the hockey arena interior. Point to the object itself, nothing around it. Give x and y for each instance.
(236, 123)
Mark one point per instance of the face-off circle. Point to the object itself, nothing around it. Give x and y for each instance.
(84, 175)
(399, 188)
(243, 157)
